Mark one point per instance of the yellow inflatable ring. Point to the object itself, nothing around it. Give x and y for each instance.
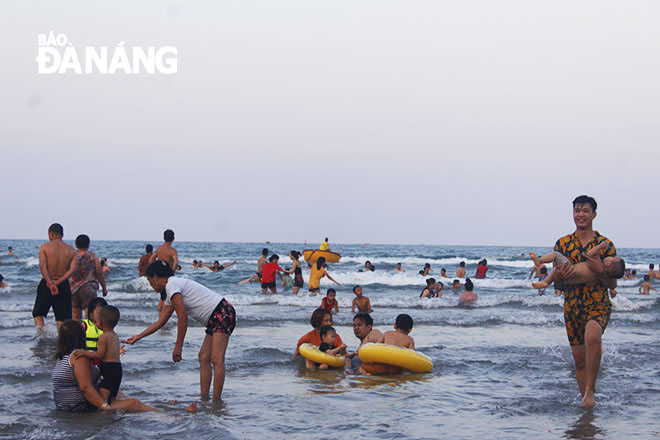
(397, 356)
(312, 352)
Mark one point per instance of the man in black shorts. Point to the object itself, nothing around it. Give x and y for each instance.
(53, 291)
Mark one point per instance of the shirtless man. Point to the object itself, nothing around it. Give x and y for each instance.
(165, 252)
(364, 331)
(144, 260)
(54, 259)
(651, 273)
(460, 272)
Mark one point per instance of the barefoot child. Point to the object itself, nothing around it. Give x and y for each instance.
(646, 288)
(361, 302)
(107, 353)
(399, 337)
(330, 302)
(329, 336)
(614, 268)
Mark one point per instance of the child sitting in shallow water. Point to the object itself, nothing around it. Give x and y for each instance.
(614, 268)
(108, 353)
(329, 336)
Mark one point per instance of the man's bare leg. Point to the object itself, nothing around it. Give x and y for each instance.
(592, 338)
(220, 341)
(579, 356)
(39, 322)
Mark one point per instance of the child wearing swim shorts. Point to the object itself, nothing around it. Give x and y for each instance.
(329, 336)
(107, 353)
(614, 268)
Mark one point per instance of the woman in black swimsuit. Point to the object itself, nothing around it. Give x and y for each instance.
(297, 271)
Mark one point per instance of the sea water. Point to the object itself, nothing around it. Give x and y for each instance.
(503, 366)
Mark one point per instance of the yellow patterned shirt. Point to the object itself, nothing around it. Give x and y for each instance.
(583, 296)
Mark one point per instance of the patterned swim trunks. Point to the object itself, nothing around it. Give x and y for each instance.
(576, 320)
(223, 319)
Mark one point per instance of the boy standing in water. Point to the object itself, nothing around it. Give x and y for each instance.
(108, 353)
(460, 272)
(646, 288)
(361, 302)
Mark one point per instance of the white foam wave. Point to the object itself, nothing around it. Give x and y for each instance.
(136, 285)
(622, 303)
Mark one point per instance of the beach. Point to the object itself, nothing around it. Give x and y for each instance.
(502, 367)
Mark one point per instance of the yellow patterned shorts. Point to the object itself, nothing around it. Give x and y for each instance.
(576, 319)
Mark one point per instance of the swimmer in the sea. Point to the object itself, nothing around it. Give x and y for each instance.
(646, 288)
(460, 272)
(614, 268)
(217, 267)
(399, 268)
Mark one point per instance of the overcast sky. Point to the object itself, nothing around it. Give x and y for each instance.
(437, 122)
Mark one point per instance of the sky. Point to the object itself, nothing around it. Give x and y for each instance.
(435, 122)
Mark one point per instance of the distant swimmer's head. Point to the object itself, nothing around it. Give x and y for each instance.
(367, 264)
(398, 265)
(443, 271)
(331, 294)
(320, 263)
(82, 242)
(484, 262)
(264, 252)
(430, 283)
(427, 266)
(149, 248)
(194, 262)
(294, 255)
(71, 337)
(646, 278)
(320, 317)
(357, 290)
(216, 263)
(274, 258)
(462, 264)
(168, 235)
(56, 230)
(651, 266)
(544, 270)
(109, 316)
(328, 334)
(421, 272)
(615, 267)
(634, 272)
(404, 322)
(469, 287)
(455, 284)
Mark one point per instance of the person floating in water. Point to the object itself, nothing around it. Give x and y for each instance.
(217, 267)
(399, 268)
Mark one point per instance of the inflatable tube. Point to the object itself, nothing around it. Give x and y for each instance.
(397, 356)
(312, 352)
(311, 255)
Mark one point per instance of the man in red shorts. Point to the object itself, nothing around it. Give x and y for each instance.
(587, 308)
